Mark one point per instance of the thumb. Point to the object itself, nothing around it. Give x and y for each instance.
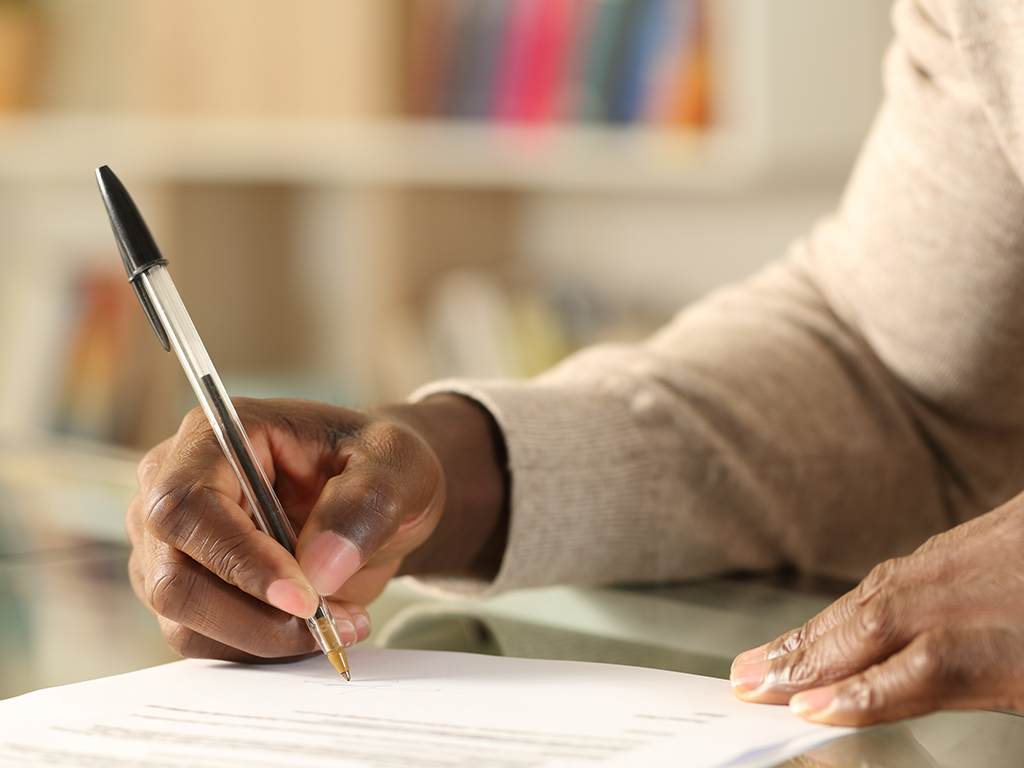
(961, 668)
(389, 494)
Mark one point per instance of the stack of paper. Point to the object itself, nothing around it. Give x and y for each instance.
(402, 708)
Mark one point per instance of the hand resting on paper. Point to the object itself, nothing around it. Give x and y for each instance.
(403, 488)
(940, 629)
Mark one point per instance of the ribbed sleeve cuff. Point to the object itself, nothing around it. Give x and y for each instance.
(577, 461)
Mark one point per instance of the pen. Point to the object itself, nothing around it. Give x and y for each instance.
(147, 272)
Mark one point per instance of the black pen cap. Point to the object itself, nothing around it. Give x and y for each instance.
(138, 249)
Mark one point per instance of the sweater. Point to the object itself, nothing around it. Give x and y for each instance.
(861, 394)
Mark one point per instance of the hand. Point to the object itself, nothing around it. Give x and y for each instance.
(364, 490)
(940, 629)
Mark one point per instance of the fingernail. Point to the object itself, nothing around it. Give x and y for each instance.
(751, 657)
(347, 632)
(813, 702)
(328, 562)
(362, 625)
(292, 597)
(748, 677)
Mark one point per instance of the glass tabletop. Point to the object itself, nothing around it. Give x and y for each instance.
(696, 627)
(68, 613)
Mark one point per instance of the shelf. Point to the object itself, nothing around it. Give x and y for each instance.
(427, 153)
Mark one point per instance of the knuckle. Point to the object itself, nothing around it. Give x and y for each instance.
(253, 413)
(377, 502)
(170, 588)
(149, 465)
(370, 512)
(193, 420)
(795, 669)
(791, 642)
(932, 659)
(133, 522)
(167, 508)
(865, 697)
(878, 623)
(392, 443)
(137, 578)
(880, 577)
(230, 559)
(934, 542)
(926, 656)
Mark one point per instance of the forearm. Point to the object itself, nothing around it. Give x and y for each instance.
(830, 413)
(756, 430)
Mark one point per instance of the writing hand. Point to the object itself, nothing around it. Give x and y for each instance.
(940, 629)
(365, 490)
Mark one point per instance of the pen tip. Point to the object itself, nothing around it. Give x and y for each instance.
(340, 662)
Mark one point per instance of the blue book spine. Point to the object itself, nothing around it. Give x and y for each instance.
(641, 45)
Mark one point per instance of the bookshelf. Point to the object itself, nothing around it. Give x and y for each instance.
(362, 209)
(441, 153)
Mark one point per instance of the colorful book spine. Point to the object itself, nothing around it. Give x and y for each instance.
(476, 83)
(553, 35)
(621, 62)
(517, 59)
(647, 36)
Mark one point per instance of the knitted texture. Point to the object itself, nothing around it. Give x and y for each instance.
(861, 394)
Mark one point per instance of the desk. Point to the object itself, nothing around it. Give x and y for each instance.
(63, 559)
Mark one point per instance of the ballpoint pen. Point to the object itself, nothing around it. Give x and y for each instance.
(147, 272)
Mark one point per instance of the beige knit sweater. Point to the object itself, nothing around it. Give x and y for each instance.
(859, 395)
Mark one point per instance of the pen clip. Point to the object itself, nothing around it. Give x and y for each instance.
(149, 309)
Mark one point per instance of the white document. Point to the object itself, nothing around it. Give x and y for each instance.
(401, 709)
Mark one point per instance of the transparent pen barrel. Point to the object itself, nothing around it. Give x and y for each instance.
(324, 630)
(221, 414)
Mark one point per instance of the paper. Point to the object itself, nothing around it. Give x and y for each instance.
(402, 709)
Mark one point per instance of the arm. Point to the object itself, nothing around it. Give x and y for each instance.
(837, 409)
(941, 628)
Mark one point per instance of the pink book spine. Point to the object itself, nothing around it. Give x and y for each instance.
(514, 60)
(543, 83)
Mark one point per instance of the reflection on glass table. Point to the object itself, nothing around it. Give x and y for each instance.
(67, 613)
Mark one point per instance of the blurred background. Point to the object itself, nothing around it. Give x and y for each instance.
(359, 196)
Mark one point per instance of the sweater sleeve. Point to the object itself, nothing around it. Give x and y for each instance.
(838, 408)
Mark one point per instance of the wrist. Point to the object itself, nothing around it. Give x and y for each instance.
(470, 537)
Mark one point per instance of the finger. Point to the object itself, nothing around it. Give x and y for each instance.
(203, 617)
(203, 608)
(150, 465)
(301, 446)
(942, 669)
(355, 614)
(390, 493)
(190, 644)
(834, 615)
(195, 506)
(137, 576)
(366, 584)
(925, 566)
(878, 630)
(881, 628)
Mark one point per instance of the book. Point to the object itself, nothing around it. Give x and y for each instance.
(547, 65)
(478, 59)
(537, 61)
